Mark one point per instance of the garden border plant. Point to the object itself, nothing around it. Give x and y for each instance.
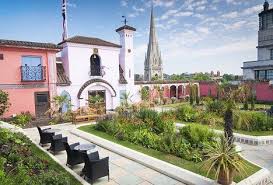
(21, 162)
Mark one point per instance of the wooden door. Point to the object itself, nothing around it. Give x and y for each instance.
(41, 103)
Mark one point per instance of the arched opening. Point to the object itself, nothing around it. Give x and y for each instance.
(180, 91)
(95, 65)
(173, 91)
(67, 105)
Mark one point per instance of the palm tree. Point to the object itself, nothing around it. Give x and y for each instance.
(126, 99)
(60, 101)
(225, 160)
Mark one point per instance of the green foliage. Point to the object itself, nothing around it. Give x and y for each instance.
(252, 121)
(197, 135)
(224, 159)
(21, 162)
(186, 113)
(215, 106)
(4, 102)
(211, 119)
(22, 119)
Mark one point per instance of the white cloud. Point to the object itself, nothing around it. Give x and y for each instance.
(124, 2)
(230, 15)
(183, 14)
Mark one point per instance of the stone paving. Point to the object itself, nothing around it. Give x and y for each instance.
(261, 155)
(122, 170)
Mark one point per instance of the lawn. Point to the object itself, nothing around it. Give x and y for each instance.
(189, 165)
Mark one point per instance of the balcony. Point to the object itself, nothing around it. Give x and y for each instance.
(33, 73)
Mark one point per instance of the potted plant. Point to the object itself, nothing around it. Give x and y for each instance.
(225, 160)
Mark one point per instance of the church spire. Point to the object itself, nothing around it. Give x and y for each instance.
(153, 63)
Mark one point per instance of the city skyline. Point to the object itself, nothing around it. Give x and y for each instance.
(194, 36)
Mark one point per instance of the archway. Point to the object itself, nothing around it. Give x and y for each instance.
(173, 91)
(95, 65)
(180, 91)
(99, 81)
(188, 89)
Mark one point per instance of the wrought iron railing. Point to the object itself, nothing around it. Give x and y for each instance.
(33, 73)
(95, 72)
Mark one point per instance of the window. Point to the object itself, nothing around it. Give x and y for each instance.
(262, 75)
(1, 56)
(32, 69)
(271, 54)
(270, 74)
(95, 65)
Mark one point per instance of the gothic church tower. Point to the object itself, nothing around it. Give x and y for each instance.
(153, 69)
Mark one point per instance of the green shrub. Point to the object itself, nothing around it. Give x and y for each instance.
(4, 102)
(145, 138)
(186, 113)
(252, 121)
(211, 119)
(197, 135)
(22, 119)
(216, 106)
(151, 119)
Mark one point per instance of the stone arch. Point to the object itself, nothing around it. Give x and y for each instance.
(173, 91)
(180, 91)
(188, 89)
(100, 82)
(66, 106)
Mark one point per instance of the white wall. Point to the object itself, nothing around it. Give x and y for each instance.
(76, 61)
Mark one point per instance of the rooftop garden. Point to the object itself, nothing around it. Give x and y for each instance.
(21, 162)
(154, 134)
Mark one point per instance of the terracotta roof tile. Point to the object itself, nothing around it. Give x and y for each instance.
(62, 79)
(90, 41)
(28, 44)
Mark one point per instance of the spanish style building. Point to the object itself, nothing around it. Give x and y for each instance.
(262, 69)
(153, 67)
(28, 74)
(92, 66)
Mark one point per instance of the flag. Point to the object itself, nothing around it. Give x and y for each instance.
(64, 20)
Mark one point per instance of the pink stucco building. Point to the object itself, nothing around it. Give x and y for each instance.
(28, 74)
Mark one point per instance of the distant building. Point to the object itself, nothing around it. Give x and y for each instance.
(262, 69)
(153, 68)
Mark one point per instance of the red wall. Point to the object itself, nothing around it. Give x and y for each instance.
(264, 92)
(205, 87)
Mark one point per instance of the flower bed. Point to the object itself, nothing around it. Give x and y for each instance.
(154, 134)
(21, 162)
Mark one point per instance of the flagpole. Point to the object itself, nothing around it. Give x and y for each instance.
(64, 15)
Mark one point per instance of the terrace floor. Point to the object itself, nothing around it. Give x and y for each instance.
(123, 171)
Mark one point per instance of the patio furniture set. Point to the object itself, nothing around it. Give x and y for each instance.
(94, 166)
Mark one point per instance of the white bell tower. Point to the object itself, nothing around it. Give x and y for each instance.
(126, 57)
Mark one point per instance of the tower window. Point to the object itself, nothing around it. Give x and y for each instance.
(129, 73)
(1, 56)
(95, 65)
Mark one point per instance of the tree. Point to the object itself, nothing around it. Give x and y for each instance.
(191, 95)
(144, 92)
(197, 97)
(4, 102)
(60, 101)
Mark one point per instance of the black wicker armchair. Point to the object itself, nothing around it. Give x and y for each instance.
(74, 157)
(57, 143)
(95, 168)
(45, 137)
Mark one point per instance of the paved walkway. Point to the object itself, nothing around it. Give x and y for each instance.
(261, 155)
(122, 170)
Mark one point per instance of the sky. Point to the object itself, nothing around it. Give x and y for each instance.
(193, 35)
